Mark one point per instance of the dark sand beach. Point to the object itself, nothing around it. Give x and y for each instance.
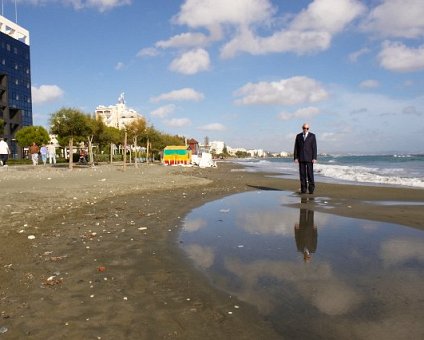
(93, 253)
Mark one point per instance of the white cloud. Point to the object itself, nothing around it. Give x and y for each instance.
(397, 57)
(45, 94)
(283, 41)
(354, 56)
(119, 66)
(329, 137)
(163, 111)
(327, 15)
(191, 62)
(178, 122)
(369, 84)
(209, 13)
(397, 18)
(308, 32)
(361, 116)
(212, 127)
(296, 90)
(147, 52)
(412, 110)
(306, 112)
(184, 40)
(101, 5)
(179, 95)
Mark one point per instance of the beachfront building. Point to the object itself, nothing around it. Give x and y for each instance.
(217, 147)
(15, 82)
(233, 151)
(257, 153)
(118, 115)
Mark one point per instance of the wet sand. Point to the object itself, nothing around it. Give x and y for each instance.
(94, 253)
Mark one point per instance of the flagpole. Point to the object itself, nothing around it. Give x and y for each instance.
(16, 12)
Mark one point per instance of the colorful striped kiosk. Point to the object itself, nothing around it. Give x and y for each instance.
(173, 155)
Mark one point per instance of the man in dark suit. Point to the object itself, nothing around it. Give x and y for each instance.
(305, 153)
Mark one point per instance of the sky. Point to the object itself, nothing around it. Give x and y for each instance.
(246, 72)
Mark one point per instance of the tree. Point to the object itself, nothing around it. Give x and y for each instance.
(242, 154)
(136, 130)
(95, 129)
(70, 123)
(32, 134)
(167, 139)
(2, 124)
(109, 136)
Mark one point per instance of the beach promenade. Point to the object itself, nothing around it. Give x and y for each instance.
(93, 253)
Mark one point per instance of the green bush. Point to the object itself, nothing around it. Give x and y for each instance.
(106, 158)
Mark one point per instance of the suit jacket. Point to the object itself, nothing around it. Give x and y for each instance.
(305, 150)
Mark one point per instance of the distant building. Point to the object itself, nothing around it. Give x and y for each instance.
(217, 147)
(233, 151)
(15, 81)
(257, 153)
(118, 115)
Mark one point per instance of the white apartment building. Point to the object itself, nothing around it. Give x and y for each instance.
(118, 115)
(253, 153)
(217, 146)
(233, 151)
(257, 153)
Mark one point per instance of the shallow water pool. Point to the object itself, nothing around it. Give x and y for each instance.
(313, 275)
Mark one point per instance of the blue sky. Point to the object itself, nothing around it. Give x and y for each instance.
(247, 72)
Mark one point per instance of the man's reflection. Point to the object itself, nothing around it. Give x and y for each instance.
(305, 233)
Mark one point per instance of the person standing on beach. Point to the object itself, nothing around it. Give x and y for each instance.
(34, 150)
(52, 153)
(4, 152)
(43, 152)
(305, 153)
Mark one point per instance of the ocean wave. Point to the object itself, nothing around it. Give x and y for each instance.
(368, 175)
(384, 173)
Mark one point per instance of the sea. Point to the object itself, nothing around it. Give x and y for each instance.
(405, 170)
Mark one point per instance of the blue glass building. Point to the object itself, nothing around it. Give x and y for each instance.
(15, 81)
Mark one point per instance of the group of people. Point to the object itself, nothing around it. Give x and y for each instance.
(46, 151)
(35, 152)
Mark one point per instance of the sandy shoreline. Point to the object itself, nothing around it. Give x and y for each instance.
(105, 261)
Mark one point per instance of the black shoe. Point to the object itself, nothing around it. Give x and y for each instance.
(311, 192)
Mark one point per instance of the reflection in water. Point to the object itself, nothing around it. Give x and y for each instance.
(305, 233)
(365, 281)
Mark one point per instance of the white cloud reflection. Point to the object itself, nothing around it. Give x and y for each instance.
(194, 225)
(201, 256)
(317, 284)
(397, 251)
(267, 222)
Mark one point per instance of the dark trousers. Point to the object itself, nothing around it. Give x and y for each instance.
(306, 172)
(4, 158)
